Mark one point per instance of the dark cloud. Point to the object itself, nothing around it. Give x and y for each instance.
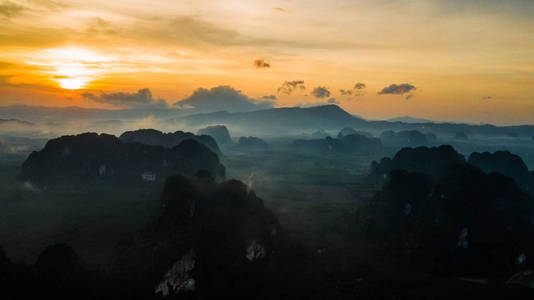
(9, 9)
(222, 98)
(289, 86)
(357, 90)
(270, 97)
(360, 86)
(397, 89)
(321, 92)
(260, 63)
(143, 98)
(408, 97)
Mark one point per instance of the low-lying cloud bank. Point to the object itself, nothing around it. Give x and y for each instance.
(142, 99)
(222, 98)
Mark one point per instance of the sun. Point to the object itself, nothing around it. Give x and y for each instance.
(71, 83)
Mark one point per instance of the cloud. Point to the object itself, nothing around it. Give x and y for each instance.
(270, 97)
(289, 86)
(360, 86)
(143, 98)
(357, 90)
(9, 9)
(260, 63)
(397, 89)
(487, 97)
(321, 92)
(408, 97)
(222, 98)
(279, 9)
(345, 92)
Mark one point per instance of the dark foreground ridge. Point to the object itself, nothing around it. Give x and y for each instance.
(217, 240)
(450, 218)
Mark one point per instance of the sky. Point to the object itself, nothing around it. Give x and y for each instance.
(448, 60)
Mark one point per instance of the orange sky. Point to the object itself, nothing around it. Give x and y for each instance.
(470, 60)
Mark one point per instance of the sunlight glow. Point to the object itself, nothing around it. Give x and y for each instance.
(73, 68)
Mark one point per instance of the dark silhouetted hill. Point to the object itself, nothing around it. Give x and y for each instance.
(169, 140)
(463, 222)
(505, 163)
(90, 157)
(430, 161)
(219, 132)
(212, 240)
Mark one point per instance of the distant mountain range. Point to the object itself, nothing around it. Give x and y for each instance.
(332, 117)
(274, 121)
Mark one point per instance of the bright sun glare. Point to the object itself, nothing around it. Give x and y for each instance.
(71, 83)
(73, 68)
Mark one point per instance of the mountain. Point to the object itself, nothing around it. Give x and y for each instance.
(169, 140)
(429, 161)
(506, 163)
(103, 158)
(323, 117)
(219, 132)
(463, 222)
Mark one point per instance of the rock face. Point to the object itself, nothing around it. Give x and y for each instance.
(463, 222)
(430, 161)
(212, 240)
(219, 132)
(168, 140)
(405, 138)
(91, 157)
(252, 143)
(353, 143)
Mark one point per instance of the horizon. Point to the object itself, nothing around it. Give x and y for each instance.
(414, 119)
